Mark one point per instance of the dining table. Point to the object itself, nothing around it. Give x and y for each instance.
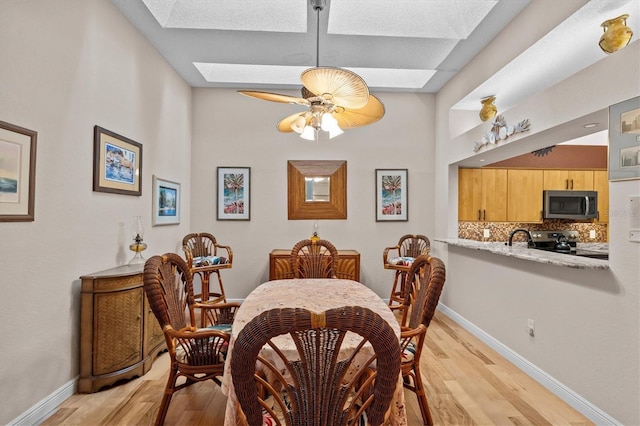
(317, 295)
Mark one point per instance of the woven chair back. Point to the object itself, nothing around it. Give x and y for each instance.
(430, 274)
(323, 386)
(314, 259)
(413, 245)
(200, 244)
(168, 284)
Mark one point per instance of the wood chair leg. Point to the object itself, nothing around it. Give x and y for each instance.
(422, 397)
(166, 398)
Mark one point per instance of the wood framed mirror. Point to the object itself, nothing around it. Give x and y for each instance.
(317, 189)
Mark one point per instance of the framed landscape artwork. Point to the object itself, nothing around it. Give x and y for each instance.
(117, 163)
(166, 202)
(233, 199)
(391, 195)
(624, 140)
(17, 173)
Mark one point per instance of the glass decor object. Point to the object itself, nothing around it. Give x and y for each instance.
(488, 109)
(315, 236)
(616, 34)
(137, 231)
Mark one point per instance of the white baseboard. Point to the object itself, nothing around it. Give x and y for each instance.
(576, 401)
(46, 407)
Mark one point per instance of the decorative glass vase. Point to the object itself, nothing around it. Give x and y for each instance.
(616, 34)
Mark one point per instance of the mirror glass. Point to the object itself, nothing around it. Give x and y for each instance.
(317, 188)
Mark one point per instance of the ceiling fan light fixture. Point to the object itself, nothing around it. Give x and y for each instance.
(336, 98)
(299, 123)
(309, 133)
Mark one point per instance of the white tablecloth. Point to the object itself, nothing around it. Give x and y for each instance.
(315, 295)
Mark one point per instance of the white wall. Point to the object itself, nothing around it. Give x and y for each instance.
(587, 322)
(233, 130)
(65, 66)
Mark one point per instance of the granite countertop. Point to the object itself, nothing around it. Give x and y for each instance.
(519, 250)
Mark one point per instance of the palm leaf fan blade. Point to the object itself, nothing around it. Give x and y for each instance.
(345, 87)
(274, 97)
(350, 118)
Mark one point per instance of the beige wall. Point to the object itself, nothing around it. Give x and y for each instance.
(587, 322)
(234, 130)
(65, 66)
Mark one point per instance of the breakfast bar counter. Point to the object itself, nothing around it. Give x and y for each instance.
(521, 251)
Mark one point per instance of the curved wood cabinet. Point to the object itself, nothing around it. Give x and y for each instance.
(119, 335)
(348, 265)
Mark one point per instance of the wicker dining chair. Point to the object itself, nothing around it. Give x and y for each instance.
(422, 304)
(315, 391)
(398, 258)
(205, 257)
(197, 354)
(314, 259)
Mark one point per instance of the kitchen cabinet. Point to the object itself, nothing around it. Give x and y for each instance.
(482, 195)
(524, 195)
(601, 185)
(119, 335)
(348, 266)
(578, 180)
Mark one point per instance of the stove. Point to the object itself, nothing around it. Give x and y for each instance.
(548, 240)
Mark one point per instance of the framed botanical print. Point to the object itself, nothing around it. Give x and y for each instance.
(234, 195)
(391, 195)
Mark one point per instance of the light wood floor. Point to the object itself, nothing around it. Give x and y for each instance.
(467, 384)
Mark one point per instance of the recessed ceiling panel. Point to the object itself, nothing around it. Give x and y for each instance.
(239, 15)
(441, 19)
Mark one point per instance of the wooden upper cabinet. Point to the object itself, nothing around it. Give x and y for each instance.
(601, 185)
(577, 180)
(482, 195)
(524, 195)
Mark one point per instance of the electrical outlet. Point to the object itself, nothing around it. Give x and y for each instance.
(486, 233)
(592, 234)
(531, 327)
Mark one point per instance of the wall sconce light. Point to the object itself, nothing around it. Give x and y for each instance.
(616, 34)
(488, 109)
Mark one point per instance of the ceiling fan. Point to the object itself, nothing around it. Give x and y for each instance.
(336, 98)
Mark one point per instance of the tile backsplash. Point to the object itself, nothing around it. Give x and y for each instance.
(499, 231)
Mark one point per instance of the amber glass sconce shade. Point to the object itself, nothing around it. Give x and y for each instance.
(488, 109)
(616, 34)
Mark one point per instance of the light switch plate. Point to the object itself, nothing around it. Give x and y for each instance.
(486, 233)
(592, 234)
(634, 235)
(634, 213)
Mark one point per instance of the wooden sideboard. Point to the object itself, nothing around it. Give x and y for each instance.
(348, 265)
(119, 335)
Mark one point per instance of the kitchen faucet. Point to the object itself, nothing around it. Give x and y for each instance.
(530, 242)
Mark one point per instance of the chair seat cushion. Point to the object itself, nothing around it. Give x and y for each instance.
(401, 261)
(409, 353)
(226, 328)
(209, 260)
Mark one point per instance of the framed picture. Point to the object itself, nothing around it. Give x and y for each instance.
(624, 140)
(166, 202)
(117, 163)
(391, 195)
(17, 173)
(234, 193)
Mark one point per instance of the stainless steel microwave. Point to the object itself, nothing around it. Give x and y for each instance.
(570, 205)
